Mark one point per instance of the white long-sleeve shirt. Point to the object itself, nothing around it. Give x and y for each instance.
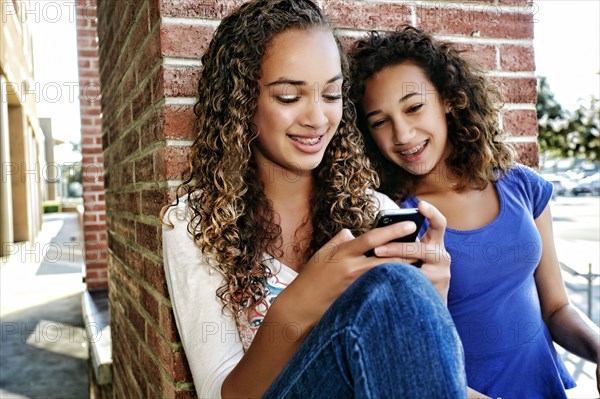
(211, 339)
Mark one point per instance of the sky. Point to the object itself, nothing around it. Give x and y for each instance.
(55, 71)
(566, 46)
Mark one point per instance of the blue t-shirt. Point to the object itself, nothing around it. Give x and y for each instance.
(493, 298)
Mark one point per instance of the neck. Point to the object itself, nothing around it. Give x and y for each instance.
(286, 188)
(438, 180)
(290, 195)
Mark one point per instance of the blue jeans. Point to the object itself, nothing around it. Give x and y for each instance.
(388, 335)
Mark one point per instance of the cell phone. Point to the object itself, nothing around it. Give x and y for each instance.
(387, 217)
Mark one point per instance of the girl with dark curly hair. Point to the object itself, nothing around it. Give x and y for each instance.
(271, 291)
(430, 121)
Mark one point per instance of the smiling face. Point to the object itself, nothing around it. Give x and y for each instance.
(407, 118)
(300, 102)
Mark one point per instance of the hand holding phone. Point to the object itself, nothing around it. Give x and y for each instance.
(387, 217)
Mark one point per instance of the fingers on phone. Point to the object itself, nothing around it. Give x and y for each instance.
(435, 217)
(408, 251)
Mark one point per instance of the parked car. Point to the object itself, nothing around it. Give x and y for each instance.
(562, 185)
(588, 185)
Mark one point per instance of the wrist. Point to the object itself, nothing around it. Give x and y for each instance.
(293, 320)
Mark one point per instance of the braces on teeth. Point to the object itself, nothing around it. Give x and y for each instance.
(312, 141)
(413, 151)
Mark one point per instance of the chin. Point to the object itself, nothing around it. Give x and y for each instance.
(308, 165)
(412, 168)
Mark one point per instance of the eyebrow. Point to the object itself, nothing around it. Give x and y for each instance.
(285, 81)
(403, 99)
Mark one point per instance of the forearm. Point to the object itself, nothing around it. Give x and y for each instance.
(569, 329)
(274, 344)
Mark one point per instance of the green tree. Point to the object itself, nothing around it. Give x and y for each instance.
(551, 120)
(583, 132)
(565, 134)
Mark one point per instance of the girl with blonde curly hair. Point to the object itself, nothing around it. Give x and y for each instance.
(430, 120)
(271, 291)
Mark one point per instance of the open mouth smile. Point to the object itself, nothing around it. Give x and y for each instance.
(307, 140)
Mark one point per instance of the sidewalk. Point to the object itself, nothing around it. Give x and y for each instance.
(43, 348)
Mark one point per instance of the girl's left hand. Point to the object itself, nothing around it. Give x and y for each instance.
(598, 375)
(430, 251)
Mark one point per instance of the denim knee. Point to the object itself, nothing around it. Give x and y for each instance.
(387, 278)
(394, 273)
(389, 288)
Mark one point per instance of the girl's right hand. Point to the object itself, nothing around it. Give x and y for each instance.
(334, 268)
(429, 252)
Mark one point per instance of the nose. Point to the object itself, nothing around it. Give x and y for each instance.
(402, 131)
(314, 114)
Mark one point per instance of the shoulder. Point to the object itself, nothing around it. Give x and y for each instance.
(524, 173)
(175, 226)
(180, 252)
(528, 186)
(178, 212)
(526, 177)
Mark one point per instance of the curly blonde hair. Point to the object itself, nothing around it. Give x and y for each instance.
(232, 218)
(479, 154)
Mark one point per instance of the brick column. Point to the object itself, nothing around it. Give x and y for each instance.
(149, 67)
(94, 217)
(148, 70)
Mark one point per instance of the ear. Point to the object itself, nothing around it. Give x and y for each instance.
(447, 106)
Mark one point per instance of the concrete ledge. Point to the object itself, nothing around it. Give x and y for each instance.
(80, 211)
(97, 327)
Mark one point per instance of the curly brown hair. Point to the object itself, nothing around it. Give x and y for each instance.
(479, 154)
(232, 219)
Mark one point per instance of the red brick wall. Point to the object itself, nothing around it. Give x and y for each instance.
(146, 107)
(94, 217)
(149, 64)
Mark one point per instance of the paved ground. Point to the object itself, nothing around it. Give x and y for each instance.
(42, 347)
(577, 236)
(43, 350)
